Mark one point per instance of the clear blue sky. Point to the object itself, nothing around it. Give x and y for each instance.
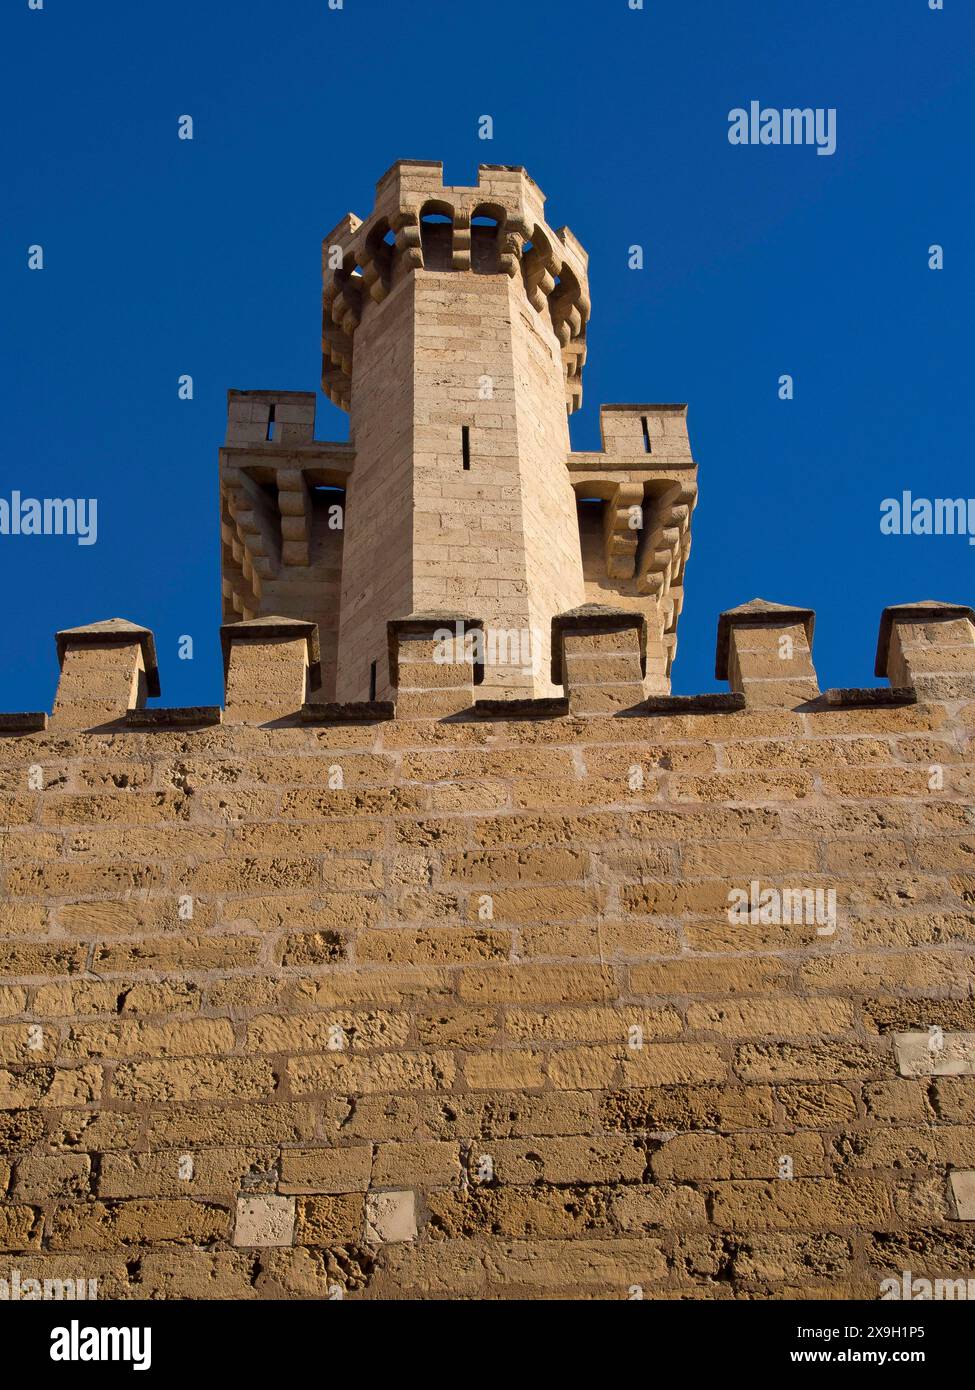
(165, 257)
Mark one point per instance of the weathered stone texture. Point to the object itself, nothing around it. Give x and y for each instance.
(477, 1022)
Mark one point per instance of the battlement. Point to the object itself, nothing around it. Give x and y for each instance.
(600, 656)
(496, 227)
(659, 431)
(446, 997)
(265, 417)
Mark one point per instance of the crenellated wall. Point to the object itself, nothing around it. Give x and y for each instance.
(421, 969)
(448, 998)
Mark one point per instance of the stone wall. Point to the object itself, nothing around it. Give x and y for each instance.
(452, 1004)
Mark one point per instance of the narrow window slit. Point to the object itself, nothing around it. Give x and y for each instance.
(372, 681)
(270, 424)
(465, 438)
(646, 434)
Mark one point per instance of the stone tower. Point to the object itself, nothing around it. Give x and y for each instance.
(455, 336)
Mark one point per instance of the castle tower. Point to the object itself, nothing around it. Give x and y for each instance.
(454, 334)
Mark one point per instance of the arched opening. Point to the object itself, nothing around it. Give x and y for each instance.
(437, 235)
(487, 225)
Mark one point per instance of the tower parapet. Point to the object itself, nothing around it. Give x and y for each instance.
(496, 227)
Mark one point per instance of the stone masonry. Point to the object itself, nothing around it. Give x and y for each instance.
(447, 983)
(455, 335)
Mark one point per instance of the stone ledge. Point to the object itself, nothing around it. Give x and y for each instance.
(867, 697)
(339, 455)
(352, 712)
(30, 723)
(687, 704)
(176, 718)
(546, 707)
(589, 462)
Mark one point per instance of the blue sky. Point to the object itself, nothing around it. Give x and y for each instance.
(165, 257)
